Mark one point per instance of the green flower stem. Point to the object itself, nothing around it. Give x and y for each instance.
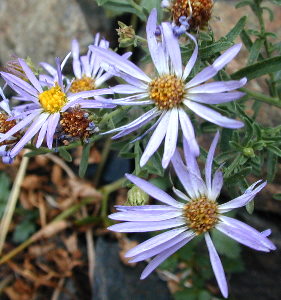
(263, 98)
(104, 156)
(106, 191)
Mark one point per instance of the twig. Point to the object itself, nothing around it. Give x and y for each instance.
(62, 164)
(12, 201)
(42, 233)
(58, 289)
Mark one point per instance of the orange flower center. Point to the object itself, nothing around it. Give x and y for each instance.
(167, 91)
(83, 84)
(201, 214)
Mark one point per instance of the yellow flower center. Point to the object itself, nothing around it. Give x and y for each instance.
(167, 91)
(53, 99)
(201, 214)
(200, 12)
(83, 84)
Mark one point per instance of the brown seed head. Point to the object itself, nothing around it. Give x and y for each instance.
(75, 123)
(167, 91)
(201, 214)
(5, 126)
(200, 12)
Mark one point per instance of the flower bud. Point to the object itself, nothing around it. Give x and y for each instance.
(137, 197)
(126, 35)
(249, 152)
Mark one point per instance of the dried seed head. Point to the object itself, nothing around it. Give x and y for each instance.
(201, 214)
(83, 84)
(199, 12)
(76, 124)
(167, 91)
(5, 126)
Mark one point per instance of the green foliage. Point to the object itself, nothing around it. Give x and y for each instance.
(225, 245)
(84, 160)
(4, 191)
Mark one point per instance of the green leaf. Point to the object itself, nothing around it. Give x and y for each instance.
(84, 160)
(204, 295)
(215, 48)
(225, 245)
(255, 51)
(37, 152)
(277, 196)
(186, 294)
(258, 69)
(236, 30)
(250, 206)
(119, 7)
(274, 150)
(246, 39)
(101, 2)
(242, 173)
(4, 191)
(244, 3)
(271, 166)
(278, 2)
(23, 230)
(65, 154)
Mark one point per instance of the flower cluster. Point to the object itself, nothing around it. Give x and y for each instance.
(51, 106)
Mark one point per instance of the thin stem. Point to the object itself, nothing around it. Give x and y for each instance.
(261, 97)
(12, 201)
(106, 191)
(104, 156)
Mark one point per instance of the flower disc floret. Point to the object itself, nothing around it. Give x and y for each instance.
(53, 100)
(201, 214)
(167, 91)
(83, 84)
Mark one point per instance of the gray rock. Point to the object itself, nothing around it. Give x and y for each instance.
(261, 278)
(114, 280)
(43, 30)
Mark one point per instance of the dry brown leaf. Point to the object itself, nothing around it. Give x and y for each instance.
(34, 182)
(82, 189)
(40, 250)
(57, 175)
(20, 290)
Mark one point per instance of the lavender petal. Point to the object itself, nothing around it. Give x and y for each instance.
(147, 226)
(217, 266)
(154, 191)
(162, 256)
(171, 138)
(213, 116)
(156, 139)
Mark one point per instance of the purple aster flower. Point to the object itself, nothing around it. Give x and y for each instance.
(169, 92)
(88, 71)
(199, 213)
(43, 105)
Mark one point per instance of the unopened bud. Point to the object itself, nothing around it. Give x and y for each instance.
(127, 35)
(137, 197)
(249, 152)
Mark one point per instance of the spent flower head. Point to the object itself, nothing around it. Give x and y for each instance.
(197, 214)
(169, 91)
